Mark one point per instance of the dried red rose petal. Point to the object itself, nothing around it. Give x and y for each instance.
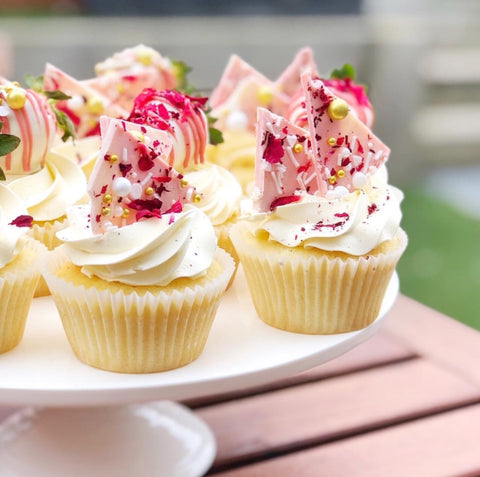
(22, 221)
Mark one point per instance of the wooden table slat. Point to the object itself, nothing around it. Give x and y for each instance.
(437, 337)
(332, 409)
(437, 446)
(380, 350)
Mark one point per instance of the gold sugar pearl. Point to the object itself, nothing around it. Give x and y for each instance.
(184, 183)
(16, 98)
(138, 135)
(106, 211)
(120, 88)
(331, 141)
(197, 198)
(144, 57)
(264, 95)
(149, 191)
(341, 173)
(337, 109)
(95, 105)
(113, 159)
(332, 180)
(125, 213)
(107, 198)
(297, 148)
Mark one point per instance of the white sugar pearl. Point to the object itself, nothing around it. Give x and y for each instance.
(75, 102)
(237, 121)
(136, 191)
(337, 192)
(121, 186)
(359, 180)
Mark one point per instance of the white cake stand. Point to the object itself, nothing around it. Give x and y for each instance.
(80, 421)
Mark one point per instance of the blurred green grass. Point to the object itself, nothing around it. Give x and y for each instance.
(441, 266)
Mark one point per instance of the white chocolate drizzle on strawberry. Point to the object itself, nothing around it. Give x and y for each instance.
(132, 179)
(182, 117)
(27, 115)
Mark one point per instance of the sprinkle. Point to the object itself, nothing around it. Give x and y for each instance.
(121, 186)
(95, 105)
(264, 95)
(138, 135)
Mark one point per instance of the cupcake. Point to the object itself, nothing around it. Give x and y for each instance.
(124, 75)
(323, 243)
(20, 268)
(138, 280)
(46, 182)
(118, 81)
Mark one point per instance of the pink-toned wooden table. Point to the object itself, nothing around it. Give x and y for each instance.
(404, 403)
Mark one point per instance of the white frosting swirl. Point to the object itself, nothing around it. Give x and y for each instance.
(354, 223)
(10, 208)
(149, 252)
(220, 191)
(50, 191)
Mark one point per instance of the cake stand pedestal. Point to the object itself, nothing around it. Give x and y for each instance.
(81, 421)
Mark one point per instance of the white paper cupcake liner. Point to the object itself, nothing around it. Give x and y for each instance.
(314, 293)
(134, 333)
(17, 285)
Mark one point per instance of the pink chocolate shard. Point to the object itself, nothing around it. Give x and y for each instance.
(355, 95)
(86, 104)
(289, 81)
(243, 88)
(346, 151)
(235, 71)
(131, 179)
(284, 164)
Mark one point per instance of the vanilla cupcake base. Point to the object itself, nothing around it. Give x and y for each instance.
(129, 329)
(18, 281)
(312, 291)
